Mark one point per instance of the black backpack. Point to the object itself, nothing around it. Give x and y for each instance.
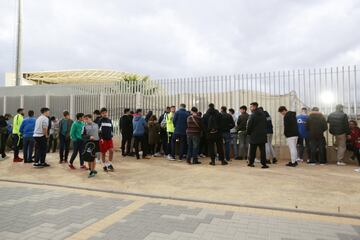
(89, 152)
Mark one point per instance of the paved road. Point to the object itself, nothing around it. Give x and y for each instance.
(38, 213)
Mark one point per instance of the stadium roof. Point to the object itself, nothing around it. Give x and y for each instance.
(78, 76)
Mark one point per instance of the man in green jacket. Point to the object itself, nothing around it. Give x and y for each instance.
(76, 137)
(16, 136)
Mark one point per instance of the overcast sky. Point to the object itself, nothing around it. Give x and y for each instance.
(172, 38)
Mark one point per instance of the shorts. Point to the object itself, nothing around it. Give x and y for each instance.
(106, 145)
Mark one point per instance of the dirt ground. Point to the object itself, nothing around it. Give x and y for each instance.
(318, 188)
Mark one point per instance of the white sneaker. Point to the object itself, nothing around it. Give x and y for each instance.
(341, 163)
(299, 160)
(257, 160)
(170, 158)
(157, 155)
(357, 170)
(98, 161)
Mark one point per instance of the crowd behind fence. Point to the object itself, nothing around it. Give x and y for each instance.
(323, 88)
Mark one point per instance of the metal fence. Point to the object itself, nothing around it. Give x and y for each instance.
(323, 88)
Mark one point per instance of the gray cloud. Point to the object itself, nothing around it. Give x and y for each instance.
(168, 38)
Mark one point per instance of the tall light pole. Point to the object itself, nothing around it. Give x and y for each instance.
(18, 45)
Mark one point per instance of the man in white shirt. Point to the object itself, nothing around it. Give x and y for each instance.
(40, 136)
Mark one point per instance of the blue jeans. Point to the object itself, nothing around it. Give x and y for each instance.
(182, 149)
(28, 147)
(227, 139)
(193, 142)
(234, 139)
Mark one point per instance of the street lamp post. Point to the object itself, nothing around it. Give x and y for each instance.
(18, 45)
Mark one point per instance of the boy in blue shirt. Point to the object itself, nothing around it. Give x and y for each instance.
(27, 131)
(302, 119)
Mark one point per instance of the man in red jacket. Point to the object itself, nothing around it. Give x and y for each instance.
(354, 140)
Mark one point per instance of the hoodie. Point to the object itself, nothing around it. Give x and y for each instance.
(316, 125)
(290, 125)
(27, 127)
(180, 121)
(139, 124)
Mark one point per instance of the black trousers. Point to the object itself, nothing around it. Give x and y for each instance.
(215, 139)
(3, 144)
(253, 148)
(64, 147)
(16, 145)
(137, 141)
(41, 149)
(78, 147)
(126, 142)
(318, 151)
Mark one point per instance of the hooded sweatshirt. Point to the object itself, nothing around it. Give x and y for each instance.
(290, 125)
(301, 123)
(139, 124)
(316, 125)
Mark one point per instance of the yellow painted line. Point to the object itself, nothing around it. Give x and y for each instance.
(106, 222)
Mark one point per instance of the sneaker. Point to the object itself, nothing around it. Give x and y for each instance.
(92, 174)
(340, 163)
(17, 160)
(265, 166)
(274, 161)
(147, 157)
(38, 165)
(257, 160)
(299, 160)
(157, 155)
(251, 165)
(268, 162)
(322, 164)
(290, 164)
(311, 163)
(98, 161)
(212, 163)
(45, 165)
(170, 158)
(71, 166)
(83, 167)
(196, 162)
(105, 169)
(188, 161)
(202, 156)
(224, 163)
(180, 160)
(357, 170)
(110, 168)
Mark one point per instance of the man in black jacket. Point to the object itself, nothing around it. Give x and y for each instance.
(291, 133)
(339, 127)
(227, 123)
(243, 136)
(126, 129)
(316, 126)
(163, 133)
(256, 129)
(212, 124)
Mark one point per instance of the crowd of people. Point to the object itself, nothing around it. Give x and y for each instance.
(178, 134)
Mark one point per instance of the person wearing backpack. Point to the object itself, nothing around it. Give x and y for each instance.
(227, 123)
(212, 125)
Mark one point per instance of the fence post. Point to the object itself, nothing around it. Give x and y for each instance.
(22, 101)
(138, 100)
(72, 105)
(47, 101)
(4, 105)
(293, 105)
(102, 101)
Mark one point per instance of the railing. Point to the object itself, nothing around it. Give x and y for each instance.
(323, 88)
